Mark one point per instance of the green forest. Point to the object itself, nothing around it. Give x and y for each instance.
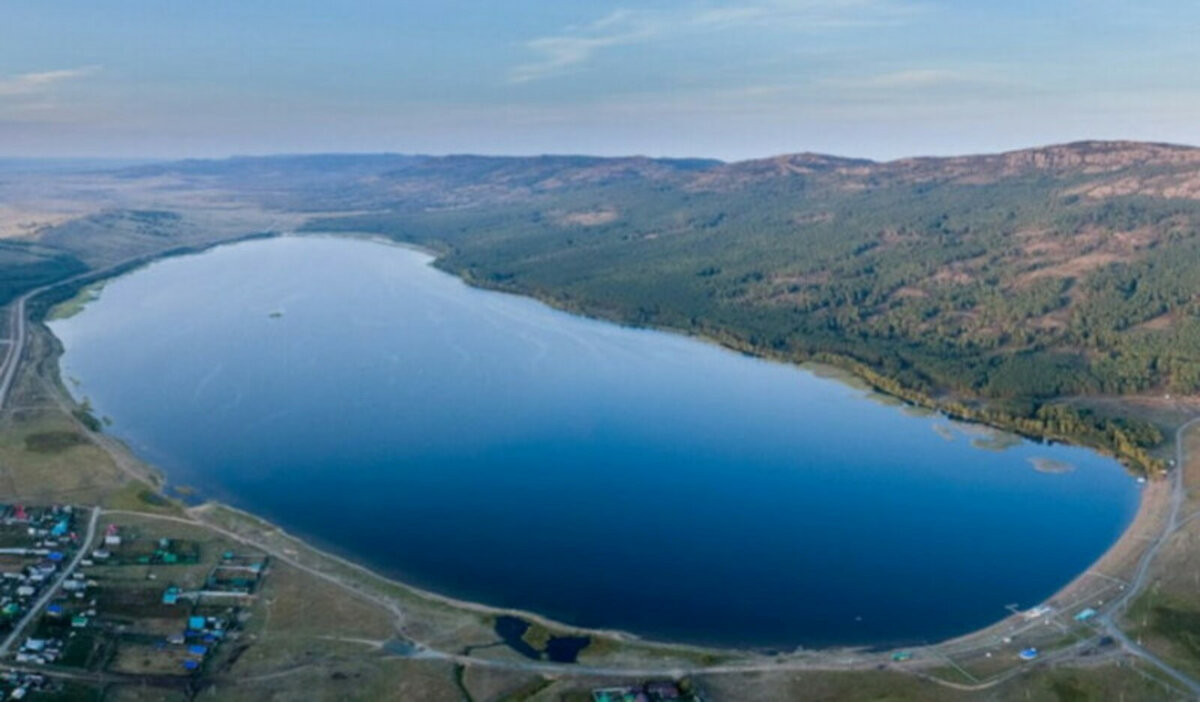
(991, 300)
(995, 288)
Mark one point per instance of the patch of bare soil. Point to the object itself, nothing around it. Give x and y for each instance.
(1071, 268)
(588, 218)
(1159, 323)
(18, 221)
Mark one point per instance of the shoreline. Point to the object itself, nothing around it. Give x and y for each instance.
(1123, 554)
(951, 408)
(1150, 502)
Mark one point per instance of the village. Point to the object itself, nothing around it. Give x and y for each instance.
(131, 601)
(36, 544)
(654, 691)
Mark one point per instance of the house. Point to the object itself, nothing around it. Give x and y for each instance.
(664, 690)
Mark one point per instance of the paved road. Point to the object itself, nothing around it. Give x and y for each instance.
(1106, 620)
(12, 358)
(16, 348)
(54, 586)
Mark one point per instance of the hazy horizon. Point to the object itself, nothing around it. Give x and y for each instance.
(875, 79)
(133, 160)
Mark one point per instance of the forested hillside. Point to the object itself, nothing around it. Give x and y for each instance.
(1016, 278)
(1062, 271)
(992, 286)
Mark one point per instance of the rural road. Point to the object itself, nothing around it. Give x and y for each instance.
(1178, 494)
(17, 323)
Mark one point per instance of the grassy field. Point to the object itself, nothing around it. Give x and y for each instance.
(73, 306)
(1166, 618)
(1105, 684)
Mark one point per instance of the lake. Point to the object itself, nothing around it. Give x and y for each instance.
(487, 447)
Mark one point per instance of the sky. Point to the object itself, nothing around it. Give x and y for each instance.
(869, 78)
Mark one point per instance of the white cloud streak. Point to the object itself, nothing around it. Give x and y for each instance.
(560, 52)
(964, 80)
(913, 78)
(576, 45)
(41, 82)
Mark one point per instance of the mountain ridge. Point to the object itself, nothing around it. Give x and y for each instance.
(462, 179)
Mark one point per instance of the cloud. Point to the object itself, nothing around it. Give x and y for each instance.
(961, 80)
(37, 97)
(909, 79)
(914, 78)
(41, 82)
(560, 52)
(803, 14)
(575, 45)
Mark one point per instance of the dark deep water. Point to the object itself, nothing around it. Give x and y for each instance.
(489, 448)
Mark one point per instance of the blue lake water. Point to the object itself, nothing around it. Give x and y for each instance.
(487, 447)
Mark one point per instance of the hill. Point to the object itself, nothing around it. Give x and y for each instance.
(1014, 278)
(989, 285)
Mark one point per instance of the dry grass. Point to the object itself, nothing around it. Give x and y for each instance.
(300, 619)
(26, 219)
(1164, 617)
(137, 659)
(143, 693)
(350, 679)
(1191, 469)
(81, 473)
(588, 218)
(1100, 684)
(496, 684)
(1072, 268)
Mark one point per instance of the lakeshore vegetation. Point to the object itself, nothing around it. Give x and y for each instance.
(994, 288)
